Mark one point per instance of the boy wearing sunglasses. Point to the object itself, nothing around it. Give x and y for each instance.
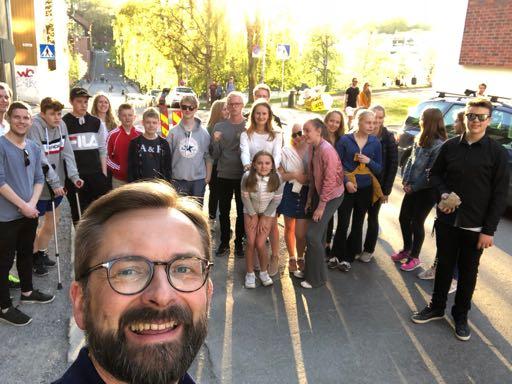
(189, 143)
(21, 183)
(471, 171)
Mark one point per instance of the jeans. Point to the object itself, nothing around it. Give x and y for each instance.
(226, 188)
(355, 205)
(194, 188)
(414, 211)
(372, 231)
(17, 235)
(456, 247)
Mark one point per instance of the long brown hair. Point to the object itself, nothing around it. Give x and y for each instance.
(273, 181)
(110, 120)
(341, 130)
(215, 113)
(432, 127)
(268, 125)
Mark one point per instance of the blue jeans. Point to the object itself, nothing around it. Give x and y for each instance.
(193, 188)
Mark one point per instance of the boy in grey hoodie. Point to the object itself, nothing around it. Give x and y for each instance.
(49, 132)
(189, 143)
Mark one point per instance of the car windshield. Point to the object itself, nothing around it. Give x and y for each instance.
(183, 90)
(500, 128)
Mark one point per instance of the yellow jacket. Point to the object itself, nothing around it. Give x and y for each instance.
(362, 169)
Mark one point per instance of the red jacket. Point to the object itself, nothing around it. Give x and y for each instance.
(117, 151)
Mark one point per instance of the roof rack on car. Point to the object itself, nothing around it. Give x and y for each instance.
(459, 95)
(497, 99)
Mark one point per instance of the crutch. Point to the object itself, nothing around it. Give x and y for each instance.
(57, 257)
(78, 205)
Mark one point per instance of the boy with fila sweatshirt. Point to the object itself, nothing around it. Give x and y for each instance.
(189, 143)
(49, 132)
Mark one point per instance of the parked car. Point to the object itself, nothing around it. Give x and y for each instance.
(152, 97)
(500, 128)
(173, 98)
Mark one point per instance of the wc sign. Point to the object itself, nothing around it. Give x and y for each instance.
(47, 51)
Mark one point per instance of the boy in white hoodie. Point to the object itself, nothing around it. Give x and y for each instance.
(50, 133)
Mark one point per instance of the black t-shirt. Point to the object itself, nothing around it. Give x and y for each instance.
(82, 371)
(352, 93)
(149, 159)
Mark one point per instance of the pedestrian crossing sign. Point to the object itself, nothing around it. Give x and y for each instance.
(47, 51)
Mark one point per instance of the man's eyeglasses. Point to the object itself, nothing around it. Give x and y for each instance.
(187, 107)
(480, 116)
(131, 275)
(26, 158)
(235, 104)
(296, 134)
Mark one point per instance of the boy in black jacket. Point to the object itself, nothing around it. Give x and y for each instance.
(475, 168)
(149, 155)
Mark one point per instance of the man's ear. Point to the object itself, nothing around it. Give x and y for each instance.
(77, 296)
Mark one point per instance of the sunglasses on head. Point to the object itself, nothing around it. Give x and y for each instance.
(480, 116)
(187, 108)
(296, 134)
(26, 158)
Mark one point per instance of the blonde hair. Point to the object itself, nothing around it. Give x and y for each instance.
(268, 125)
(215, 113)
(110, 120)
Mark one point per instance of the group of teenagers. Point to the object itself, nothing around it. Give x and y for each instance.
(325, 169)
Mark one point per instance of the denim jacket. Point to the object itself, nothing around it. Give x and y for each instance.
(418, 165)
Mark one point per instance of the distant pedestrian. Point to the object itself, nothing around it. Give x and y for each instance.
(361, 156)
(149, 155)
(482, 88)
(230, 85)
(117, 145)
(212, 88)
(386, 179)
(364, 99)
(102, 109)
(218, 112)
(262, 191)
(420, 196)
(294, 170)
(351, 94)
(225, 148)
(21, 183)
(324, 197)
(474, 168)
(189, 143)
(88, 140)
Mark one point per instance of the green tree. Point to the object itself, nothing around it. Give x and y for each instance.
(323, 58)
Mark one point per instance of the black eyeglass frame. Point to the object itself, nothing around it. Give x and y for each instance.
(473, 116)
(108, 265)
(26, 157)
(296, 134)
(188, 108)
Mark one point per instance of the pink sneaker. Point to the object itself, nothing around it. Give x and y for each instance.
(399, 256)
(411, 264)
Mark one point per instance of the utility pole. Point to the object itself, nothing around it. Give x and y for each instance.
(11, 39)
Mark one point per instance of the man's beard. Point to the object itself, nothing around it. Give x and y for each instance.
(152, 364)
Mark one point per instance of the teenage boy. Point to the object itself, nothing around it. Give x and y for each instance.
(50, 133)
(225, 147)
(475, 168)
(117, 145)
(88, 140)
(149, 155)
(5, 99)
(21, 183)
(189, 143)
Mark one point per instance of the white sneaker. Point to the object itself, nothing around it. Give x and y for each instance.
(266, 280)
(453, 286)
(298, 274)
(250, 280)
(428, 274)
(365, 257)
(305, 284)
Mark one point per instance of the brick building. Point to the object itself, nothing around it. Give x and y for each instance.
(477, 48)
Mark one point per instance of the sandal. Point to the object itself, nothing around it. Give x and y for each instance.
(292, 264)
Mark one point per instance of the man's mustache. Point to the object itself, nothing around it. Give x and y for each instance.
(179, 314)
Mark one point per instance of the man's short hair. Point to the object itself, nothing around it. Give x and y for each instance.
(51, 103)
(124, 106)
(134, 196)
(482, 85)
(261, 86)
(6, 88)
(235, 94)
(18, 105)
(480, 102)
(150, 113)
(189, 99)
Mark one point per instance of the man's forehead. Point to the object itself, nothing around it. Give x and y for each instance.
(475, 109)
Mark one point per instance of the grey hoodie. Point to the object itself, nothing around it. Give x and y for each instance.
(189, 152)
(57, 153)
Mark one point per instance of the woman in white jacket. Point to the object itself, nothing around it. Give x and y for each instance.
(260, 136)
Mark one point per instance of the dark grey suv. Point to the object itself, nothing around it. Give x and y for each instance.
(500, 128)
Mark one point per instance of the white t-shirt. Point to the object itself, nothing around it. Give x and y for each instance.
(249, 146)
(4, 127)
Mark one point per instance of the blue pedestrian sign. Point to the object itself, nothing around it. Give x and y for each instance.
(47, 51)
(283, 51)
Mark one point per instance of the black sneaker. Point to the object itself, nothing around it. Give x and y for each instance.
(344, 266)
(462, 331)
(36, 297)
(38, 265)
(47, 262)
(222, 250)
(15, 317)
(333, 263)
(239, 251)
(427, 314)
